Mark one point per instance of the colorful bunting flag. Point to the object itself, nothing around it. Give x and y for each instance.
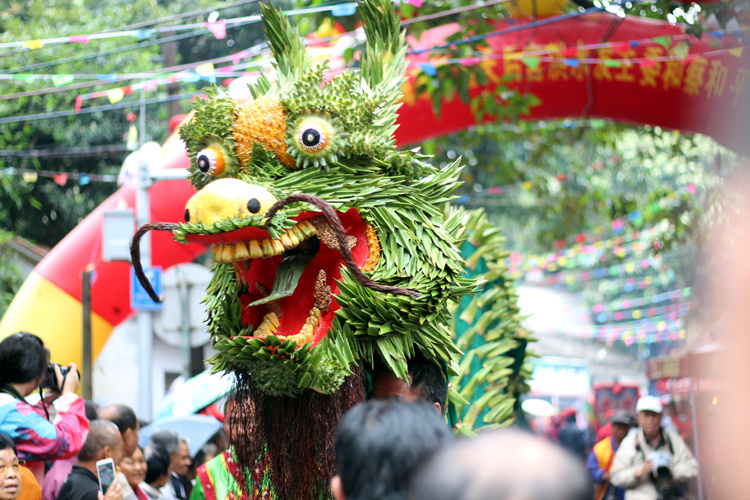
(218, 28)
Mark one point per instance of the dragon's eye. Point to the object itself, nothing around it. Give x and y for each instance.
(313, 138)
(210, 161)
(315, 141)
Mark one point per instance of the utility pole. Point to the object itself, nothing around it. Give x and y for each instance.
(145, 318)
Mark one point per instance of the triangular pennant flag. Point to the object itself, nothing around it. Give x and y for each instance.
(415, 3)
(428, 68)
(238, 56)
(115, 95)
(190, 77)
(107, 78)
(664, 41)
(469, 61)
(205, 69)
(716, 34)
(348, 9)
(84, 179)
(612, 63)
(79, 102)
(127, 90)
(570, 51)
(149, 86)
(30, 176)
(27, 78)
(60, 178)
(621, 47)
(573, 63)
(60, 80)
(646, 63)
(531, 62)
(682, 49)
(218, 28)
(33, 44)
(79, 39)
(737, 51)
(143, 33)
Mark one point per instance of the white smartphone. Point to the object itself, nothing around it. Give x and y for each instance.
(106, 470)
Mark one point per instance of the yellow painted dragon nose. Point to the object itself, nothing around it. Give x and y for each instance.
(225, 199)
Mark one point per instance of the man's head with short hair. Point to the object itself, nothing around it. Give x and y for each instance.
(427, 382)
(379, 444)
(158, 467)
(103, 441)
(127, 423)
(177, 448)
(167, 439)
(508, 464)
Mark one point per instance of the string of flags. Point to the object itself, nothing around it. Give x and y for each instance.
(621, 304)
(60, 178)
(217, 28)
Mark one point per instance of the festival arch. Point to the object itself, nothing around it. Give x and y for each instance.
(595, 65)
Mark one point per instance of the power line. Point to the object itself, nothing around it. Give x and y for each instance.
(154, 22)
(83, 85)
(109, 107)
(110, 150)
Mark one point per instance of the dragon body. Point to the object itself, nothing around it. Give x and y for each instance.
(331, 248)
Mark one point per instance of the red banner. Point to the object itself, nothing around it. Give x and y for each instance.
(642, 71)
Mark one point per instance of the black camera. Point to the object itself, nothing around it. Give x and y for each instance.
(50, 379)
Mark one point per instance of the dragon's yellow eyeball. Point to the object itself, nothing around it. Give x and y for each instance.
(313, 136)
(210, 161)
(315, 140)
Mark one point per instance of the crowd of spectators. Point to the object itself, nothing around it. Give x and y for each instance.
(397, 446)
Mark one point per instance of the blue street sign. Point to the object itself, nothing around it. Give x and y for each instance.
(139, 299)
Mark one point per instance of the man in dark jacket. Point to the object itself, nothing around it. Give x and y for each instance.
(103, 441)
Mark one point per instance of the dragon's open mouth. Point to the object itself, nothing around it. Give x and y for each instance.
(288, 286)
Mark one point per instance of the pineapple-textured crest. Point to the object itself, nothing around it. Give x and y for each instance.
(330, 246)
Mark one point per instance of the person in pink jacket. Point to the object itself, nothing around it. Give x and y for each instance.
(42, 432)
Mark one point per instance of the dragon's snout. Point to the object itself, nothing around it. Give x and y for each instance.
(225, 199)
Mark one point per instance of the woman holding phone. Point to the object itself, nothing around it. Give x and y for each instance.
(39, 436)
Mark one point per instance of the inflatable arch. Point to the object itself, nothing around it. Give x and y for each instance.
(594, 65)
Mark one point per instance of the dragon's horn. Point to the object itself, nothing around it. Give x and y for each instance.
(384, 64)
(290, 54)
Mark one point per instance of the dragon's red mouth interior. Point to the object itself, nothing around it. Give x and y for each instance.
(291, 317)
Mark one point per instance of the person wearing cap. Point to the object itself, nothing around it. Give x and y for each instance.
(601, 456)
(652, 463)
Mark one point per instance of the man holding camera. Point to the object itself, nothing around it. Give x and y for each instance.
(652, 462)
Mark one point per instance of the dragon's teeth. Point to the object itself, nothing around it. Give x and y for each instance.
(286, 241)
(278, 247)
(241, 252)
(256, 252)
(268, 250)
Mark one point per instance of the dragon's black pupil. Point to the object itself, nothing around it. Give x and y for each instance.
(311, 137)
(204, 164)
(253, 205)
(187, 215)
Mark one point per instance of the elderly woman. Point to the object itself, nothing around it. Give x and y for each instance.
(133, 473)
(23, 365)
(10, 470)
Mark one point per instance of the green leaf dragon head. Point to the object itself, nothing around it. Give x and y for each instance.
(329, 245)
